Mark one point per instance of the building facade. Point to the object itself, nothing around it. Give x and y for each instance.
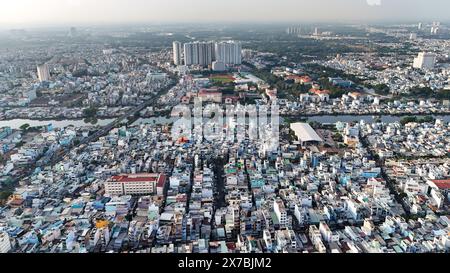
(199, 53)
(229, 53)
(43, 72)
(177, 60)
(425, 61)
(135, 184)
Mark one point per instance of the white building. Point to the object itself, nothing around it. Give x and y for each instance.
(199, 53)
(425, 61)
(325, 231)
(135, 184)
(177, 53)
(305, 133)
(280, 212)
(229, 53)
(43, 72)
(5, 244)
(156, 76)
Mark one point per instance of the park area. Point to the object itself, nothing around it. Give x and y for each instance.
(222, 78)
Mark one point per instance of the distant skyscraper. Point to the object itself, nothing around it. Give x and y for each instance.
(435, 28)
(188, 54)
(177, 53)
(229, 53)
(43, 72)
(294, 30)
(425, 61)
(73, 32)
(419, 27)
(316, 31)
(199, 53)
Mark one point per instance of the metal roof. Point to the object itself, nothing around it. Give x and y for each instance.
(305, 132)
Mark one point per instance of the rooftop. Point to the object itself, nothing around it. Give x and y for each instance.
(142, 177)
(442, 184)
(305, 132)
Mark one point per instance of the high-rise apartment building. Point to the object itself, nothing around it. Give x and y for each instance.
(73, 32)
(177, 53)
(43, 72)
(204, 53)
(425, 61)
(316, 32)
(229, 53)
(294, 30)
(199, 53)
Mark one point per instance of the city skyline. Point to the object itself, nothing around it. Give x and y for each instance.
(52, 12)
(253, 127)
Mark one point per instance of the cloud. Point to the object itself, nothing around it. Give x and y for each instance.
(374, 2)
(73, 3)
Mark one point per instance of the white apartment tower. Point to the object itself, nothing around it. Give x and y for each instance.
(177, 53)
(425, 61)
(43, 72)
(229, 53)
(199, 53)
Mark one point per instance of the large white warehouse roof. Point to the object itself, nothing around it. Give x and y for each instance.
(305, 132)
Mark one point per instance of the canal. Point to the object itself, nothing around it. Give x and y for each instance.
(16, 123)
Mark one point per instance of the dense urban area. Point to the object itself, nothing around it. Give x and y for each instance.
(88, 161)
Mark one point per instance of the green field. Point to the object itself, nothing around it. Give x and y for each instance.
(222, 78)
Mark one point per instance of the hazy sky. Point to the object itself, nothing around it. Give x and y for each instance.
(34, 12)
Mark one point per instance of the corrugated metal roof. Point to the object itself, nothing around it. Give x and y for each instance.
(305, 132)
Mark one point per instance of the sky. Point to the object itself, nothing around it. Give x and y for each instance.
(60, 12)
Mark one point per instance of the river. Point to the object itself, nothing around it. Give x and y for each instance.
(366, 118)
(16, 123)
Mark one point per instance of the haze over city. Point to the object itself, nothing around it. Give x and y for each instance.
(225, 127)
(59, 12)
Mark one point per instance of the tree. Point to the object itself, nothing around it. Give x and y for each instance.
(4, 195)
(381, 89)
(90, 112)
(407, 120)
(426, 119)
(25, 127)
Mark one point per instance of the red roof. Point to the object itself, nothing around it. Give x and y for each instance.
(231, 245)
(161, 181)
(319, 92)
(306, 79)
(147, 177)
(442, 184)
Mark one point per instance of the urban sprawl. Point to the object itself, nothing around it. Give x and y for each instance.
(89, 161)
